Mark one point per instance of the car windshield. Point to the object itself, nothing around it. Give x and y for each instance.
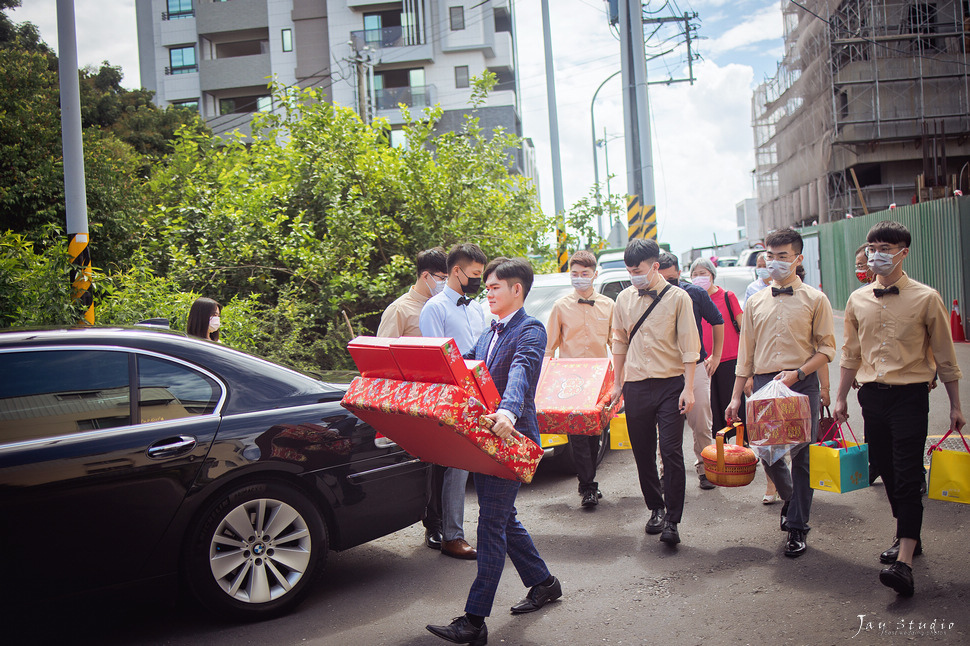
(542, 298)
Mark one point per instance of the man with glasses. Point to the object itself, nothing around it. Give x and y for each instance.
(454, 313)
(897, 337)
(787, 333)
(401, 319)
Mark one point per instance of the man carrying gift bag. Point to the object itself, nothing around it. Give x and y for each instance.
(897, 336)
(787, 333)
(579, 325)
(456, 314)
(513, 350)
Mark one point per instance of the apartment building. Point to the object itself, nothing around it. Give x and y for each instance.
(870, 106)
(371, 55)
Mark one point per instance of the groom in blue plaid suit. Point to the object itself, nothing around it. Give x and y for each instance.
(512, 349)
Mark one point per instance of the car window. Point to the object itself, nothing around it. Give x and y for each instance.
(613, 264)
(614, 287)
(542, 298)
(59, 392)
(168, 390)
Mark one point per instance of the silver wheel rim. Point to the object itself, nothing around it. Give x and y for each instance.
(260, 550)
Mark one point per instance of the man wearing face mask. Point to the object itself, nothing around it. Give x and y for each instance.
(655, 352)
(401, 317)
(700, 416)
(787, 333)
(456, 314)
(579, 325)
(897, 336)
(763, 279)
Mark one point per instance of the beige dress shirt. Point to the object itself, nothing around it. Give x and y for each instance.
(580, 331)
(666, 340)
(783, 332)
(900, 338)
(401, 317)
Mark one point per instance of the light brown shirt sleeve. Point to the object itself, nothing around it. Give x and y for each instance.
(401, 317)
(580, 331)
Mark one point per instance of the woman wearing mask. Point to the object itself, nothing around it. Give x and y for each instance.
(862, 271)
(204, 319)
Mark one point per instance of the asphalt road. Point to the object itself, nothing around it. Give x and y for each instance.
(727, 583)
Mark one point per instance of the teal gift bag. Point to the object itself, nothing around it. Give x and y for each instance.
(839, 465)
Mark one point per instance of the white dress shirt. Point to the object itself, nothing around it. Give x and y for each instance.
(441, 316)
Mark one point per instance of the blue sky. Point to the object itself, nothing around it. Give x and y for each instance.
(702, 137)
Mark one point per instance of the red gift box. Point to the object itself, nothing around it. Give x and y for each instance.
(485, 384)
(779, 420)
(441, 423)
(436, 361)
(373, 357)
(573, 394)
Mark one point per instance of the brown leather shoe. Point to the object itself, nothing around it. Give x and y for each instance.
(459, 549)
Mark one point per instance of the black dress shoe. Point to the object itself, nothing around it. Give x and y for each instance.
(589, 498)
(795, 546)
(461, 631)
(784, 516)
(432, 538)
(656, 523)
(538, 596)
(899, 577)
(705, 484)
(670, 536)
(890, 555)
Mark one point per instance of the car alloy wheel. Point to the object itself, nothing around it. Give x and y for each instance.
(257, 551)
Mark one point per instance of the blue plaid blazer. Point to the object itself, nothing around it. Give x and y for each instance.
(514, 366)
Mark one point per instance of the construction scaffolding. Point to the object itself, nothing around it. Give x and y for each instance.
(869, 106)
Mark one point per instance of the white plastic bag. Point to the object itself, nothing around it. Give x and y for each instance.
(778, 420)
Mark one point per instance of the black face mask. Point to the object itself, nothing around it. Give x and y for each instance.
(674, 281)
(472, 286)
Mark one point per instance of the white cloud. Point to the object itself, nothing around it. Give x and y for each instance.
(763, 25)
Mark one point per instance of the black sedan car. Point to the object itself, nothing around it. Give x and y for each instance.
(131, 455)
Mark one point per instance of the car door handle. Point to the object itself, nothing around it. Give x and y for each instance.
(171, 447)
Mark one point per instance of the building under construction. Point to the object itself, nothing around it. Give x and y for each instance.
(870, 106)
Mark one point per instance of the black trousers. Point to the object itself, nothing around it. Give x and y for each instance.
(585, 448)
(722, 387)
(652, 413)
(432, 512)
(896, 420)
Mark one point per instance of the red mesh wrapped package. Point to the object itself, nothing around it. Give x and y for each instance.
(442, 424)
(777, 415)
(573, 394)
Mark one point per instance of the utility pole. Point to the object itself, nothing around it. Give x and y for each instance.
(641, 200)
(562, 252)
(363, 62)
(75, 199)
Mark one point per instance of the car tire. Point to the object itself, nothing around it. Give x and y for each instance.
(255, 551)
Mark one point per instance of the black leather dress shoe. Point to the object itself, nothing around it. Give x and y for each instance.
(704, 483)
(589, 498)
(795, 546)
(538, 596)
(461, 631)
(890, 555)
(784, 516)
(656, 523)
(899, 577)
(432, 538)
(670, 536)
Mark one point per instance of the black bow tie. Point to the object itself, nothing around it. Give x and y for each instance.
(587, 301)
(784, 290)
(497, 327)
(879, 293)
(652, 293)
(463, 300)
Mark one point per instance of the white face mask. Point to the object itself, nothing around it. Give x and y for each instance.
(437, 286)
(214, 323)
(641, 281)
(762, 273)
(881, 263)
(703, 282)
(779, 269)
(580, 283)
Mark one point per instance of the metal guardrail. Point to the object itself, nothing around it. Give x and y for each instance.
(414, 97)
(184, 69)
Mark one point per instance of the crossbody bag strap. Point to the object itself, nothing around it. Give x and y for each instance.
(727, 301)
(647, 313)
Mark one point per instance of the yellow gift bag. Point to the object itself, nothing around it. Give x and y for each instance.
(949, 472)
(838, 465)
(619, 436)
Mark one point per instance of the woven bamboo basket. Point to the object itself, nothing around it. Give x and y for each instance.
(729, 465)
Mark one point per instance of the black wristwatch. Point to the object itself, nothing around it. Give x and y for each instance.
(801, 374)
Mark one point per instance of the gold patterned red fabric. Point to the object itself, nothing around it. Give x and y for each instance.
(573, 394)
(779, 420)
(441, 424)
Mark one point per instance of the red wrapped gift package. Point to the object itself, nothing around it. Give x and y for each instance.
(778, 415)
(373, 357)
(442, 424)
(485, 384)
(573, 394)
(438, 361)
